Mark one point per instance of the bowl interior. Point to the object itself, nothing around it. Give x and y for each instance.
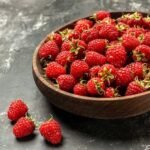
(40, 73)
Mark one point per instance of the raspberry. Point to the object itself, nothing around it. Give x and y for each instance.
(80, 89)
(16, 110)
(53, 70)
(66, 82)
(93, 58)
(51, 131)
(96, 86)
(79, 68)
(97, 45)
(116, 55)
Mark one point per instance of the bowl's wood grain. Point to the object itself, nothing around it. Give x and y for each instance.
(102, 108)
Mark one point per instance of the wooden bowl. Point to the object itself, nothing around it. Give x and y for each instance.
(92, 107)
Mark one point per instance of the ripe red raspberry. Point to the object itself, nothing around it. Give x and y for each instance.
(124, 76)
(89, 35)
(138, 69)
(97, 45)
(122, 28)
(79, 28)
(109, 31)
(107, 72)
(134, 19)
(135, 31)
(24, 127)
(146, 22)
(53, 70)
(135, 87)
(98, 25)
(85, 21)
(79, 68)
(130, 42)
(66, 82)
(93, 72)
(100, 15)
(68, 34)
(77, 47)
(108, 20)
(55, 37)
(141, 53)
(49, 48)
(111, 92)
(80, 89)
(66, 46)
(96, 86)
(51, 131)
(65, 57)
(116, 55)
(145, 38)
(16, 110)
(93, 58)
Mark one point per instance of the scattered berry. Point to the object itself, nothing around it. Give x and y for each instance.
(24, 127)
(16, 110)
(51, 131)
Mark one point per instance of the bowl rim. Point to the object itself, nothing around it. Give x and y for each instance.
(78, 97)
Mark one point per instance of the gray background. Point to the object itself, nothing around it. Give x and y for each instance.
(23, 23)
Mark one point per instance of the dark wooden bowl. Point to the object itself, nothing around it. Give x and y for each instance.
(102, 108)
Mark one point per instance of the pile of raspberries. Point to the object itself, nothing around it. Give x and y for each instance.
(100, 56)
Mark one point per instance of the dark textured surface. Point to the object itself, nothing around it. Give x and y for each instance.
(23, 23)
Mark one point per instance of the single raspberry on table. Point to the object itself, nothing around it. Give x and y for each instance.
(17, 109)
(79, 68)
(80, 89)
(116, 55)
(49, 48)
(93, 58)
(53, 70)
(66, 82)
(96, 86)
(24, 127)
(51, 131)
(97, 45)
